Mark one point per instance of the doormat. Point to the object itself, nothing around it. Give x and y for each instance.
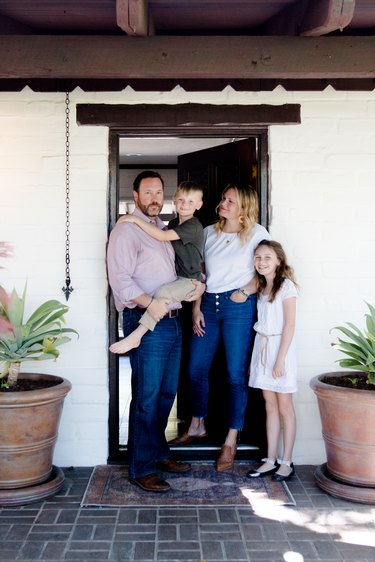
(203, 485)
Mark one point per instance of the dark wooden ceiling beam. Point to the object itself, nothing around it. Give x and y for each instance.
(10, 25)
(192, 116)
(325, 16)
(163, 57)
(133, 17)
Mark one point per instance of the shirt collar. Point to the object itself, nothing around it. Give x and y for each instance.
(138, 213)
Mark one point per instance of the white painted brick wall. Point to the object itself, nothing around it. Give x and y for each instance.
(322, 196)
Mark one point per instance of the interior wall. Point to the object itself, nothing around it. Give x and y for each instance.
(322, 200)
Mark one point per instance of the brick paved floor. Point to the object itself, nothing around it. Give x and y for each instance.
(319, 528)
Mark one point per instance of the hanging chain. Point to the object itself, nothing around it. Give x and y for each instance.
(67, 289)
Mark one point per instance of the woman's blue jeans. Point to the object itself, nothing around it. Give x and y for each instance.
(155, 369)
(233, 322)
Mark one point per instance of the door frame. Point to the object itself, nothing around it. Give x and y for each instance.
(118, 452)
(185, 121)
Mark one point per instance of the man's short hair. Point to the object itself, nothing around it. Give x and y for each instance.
(144, 175)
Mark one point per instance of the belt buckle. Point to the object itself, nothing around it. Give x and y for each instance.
(173, 313)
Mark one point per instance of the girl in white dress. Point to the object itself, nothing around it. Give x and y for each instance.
(273, 362)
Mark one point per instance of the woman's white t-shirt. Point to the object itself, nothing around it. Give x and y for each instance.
(229, 263)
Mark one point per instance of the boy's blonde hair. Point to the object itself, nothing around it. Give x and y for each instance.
(189, 186)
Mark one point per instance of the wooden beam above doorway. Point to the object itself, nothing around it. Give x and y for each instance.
(178, 58)
(190, 117)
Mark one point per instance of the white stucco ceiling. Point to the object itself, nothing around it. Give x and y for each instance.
(163, 150)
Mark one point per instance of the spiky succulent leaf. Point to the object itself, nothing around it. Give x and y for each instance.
(350, 348)
(16, 307)
(49, 311)
(352, 364)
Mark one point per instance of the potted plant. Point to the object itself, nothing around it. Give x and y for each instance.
(30, 404)
(347, 409)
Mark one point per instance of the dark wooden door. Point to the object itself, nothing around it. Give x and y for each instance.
(214, 168)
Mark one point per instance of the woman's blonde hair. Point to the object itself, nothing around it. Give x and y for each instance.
(247, 199)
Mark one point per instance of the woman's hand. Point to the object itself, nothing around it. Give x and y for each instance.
(237, 296)
(198, 322)
(197, 292)
(251, 288)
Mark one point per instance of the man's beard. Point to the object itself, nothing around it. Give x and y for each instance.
(146, 209)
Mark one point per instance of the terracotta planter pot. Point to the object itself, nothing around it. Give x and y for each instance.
(348, 426)
(28, 432)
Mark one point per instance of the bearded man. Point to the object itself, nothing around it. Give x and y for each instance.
(137, 265)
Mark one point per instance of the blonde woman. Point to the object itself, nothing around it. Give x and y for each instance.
(226, 311)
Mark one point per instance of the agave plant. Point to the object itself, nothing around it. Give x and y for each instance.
(360, 349)
(36, 339)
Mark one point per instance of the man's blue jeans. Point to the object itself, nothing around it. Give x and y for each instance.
(233, 322)
(155, 369)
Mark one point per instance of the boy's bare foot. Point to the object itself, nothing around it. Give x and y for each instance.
(125, 345)
(186, 438)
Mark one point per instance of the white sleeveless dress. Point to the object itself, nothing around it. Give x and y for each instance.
(267, 342)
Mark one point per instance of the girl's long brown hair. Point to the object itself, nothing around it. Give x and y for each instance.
(283, 270)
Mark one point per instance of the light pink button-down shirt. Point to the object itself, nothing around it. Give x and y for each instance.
(137, 263)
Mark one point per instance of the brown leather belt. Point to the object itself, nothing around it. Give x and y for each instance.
(173, 313)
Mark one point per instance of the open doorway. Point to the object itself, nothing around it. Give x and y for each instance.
(213, 162)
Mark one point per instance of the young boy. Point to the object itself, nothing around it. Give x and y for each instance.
(186, 234)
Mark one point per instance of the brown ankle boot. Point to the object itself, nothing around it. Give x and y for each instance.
(226, 458)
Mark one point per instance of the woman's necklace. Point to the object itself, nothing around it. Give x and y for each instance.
(231, 231)
(229, 237)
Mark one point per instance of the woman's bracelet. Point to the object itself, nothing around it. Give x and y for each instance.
(244, 292)
(149, 303)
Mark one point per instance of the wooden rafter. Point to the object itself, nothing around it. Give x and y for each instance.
(133, 17)
(325, 16)
(312, 18)
(160, 57)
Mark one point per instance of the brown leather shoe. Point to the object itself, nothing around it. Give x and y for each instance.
(185, 438)
(226, 458)
(171, 465)
(151, 483)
